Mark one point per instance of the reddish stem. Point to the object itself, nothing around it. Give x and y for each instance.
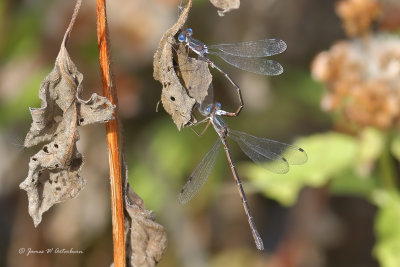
(117, 211)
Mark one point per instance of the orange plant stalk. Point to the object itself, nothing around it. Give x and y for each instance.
(117, 211)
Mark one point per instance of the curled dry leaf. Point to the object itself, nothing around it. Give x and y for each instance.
(225, 5)
(195, 74)
(174, 97)
(53, 174)
(146, 240)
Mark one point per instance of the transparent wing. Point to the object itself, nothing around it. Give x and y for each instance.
(260, 48)
(273, 155)
(256, 65)
(208, 100)
(200, 174)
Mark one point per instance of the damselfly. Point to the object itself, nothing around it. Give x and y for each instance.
(248, 56)
(272, 155)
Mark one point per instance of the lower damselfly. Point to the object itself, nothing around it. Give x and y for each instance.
(272, 155)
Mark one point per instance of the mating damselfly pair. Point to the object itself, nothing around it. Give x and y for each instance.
(272, 155)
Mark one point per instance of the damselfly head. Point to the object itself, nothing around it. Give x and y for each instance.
(211, 108)
(207, 110)
(181, 37)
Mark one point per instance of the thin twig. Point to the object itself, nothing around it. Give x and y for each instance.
(72, 22)
(112, 129)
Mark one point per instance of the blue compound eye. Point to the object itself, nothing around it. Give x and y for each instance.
(190, 31)
(218, 105)
(181, 37)
(208, 109)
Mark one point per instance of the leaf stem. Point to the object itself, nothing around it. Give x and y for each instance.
(112, 129)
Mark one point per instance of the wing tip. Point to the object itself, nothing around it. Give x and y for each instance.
(275, 67)
(279, 71)
(284, 45)
(182, 199)
(304, 158)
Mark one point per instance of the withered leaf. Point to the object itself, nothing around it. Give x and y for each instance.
(146, 240)
(53, 174)
(195, 74)
(174, 97)
(225, 5)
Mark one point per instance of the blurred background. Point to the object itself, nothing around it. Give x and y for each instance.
(338, 99)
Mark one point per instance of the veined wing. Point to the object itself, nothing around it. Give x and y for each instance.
(257, 65)
(273, 155)
(260, 48)
(200, 174)
(294, 155)
(208, 99)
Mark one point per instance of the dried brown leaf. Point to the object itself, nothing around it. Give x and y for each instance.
(225, 5)
(146, 240)
(53, 174)
(195, 74)
(174, 97)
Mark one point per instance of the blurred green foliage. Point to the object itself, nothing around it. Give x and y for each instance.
(329, 154)
(388, 231)
(23, 29)
(159, 170)
(341, 160)
(18, 42)
(18, 108)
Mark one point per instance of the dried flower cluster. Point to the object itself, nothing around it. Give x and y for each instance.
(357, 15)
(363, 79)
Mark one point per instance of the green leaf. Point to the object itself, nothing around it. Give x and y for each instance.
(372, 143)
(387, 232)
(329, 154)
(350, 183)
